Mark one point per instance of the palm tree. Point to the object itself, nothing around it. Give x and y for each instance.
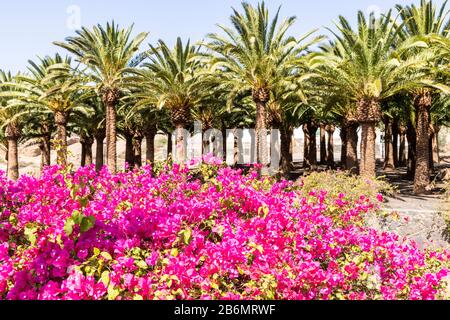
(288, 107)
(391, 112)
(87, 122)
(10, 125)
(423, 23)
(107, 52)
(95, 125)
(61, 93)
(440, 114)
(40, 125)
(252, 57)
(366, 67)
(55, 85)
(140, 102)
(172, 79)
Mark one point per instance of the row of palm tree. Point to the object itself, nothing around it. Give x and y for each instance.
(389, 71)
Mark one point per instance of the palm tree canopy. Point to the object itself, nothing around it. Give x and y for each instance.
(367, 63)
(107, 51)
(256, 53)
(51, 83)
(425, 19)
(172, 77)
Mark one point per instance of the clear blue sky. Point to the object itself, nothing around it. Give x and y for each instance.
(27, 28)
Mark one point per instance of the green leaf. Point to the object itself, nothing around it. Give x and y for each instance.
(174, 252)
(96, 252)
(112, 292)
(13, 219)
(378, 85)
(77, 216)
(106, 255)
(83, 202)
(142, 264)
(74, 191)
(264, 210)
(105, 278)
(87, 223)
(68, 226)
(30, 233)
(187, 236)
(256, 246)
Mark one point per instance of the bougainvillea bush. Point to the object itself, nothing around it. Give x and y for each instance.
(211, 233)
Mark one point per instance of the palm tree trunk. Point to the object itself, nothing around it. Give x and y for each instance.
(12, 134)
(45, 146)
(389, 163)
(395, 133)
(261, 135)
(402, 148)
(351, 157)
(312, 145)
(129, 155)
(368, 114)
(323, 145)
(343, 136)
(235, 147)
(435, 144)
(137, 150)
(61, 137)
(224, 143)
(150, 145)
(238, 147)
(6, 155)
(107, 132)
(330, 146)
(412, 140)
(83, 154)
(368, 137)
(286, 149)
(169, 145)
(422, 104)
(430, 149)
(205, 144)
(306, 145)
(111, 135)
(42, 164)
(99, 138)
(253, 148)
(88, 149)
(89, 158)
(180, 143)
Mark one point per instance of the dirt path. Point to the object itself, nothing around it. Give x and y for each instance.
(419, 218)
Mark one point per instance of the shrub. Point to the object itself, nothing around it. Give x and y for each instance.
(343, 182)
(171, 235)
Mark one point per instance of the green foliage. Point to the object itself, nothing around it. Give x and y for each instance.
(107, 51)
(342, 182)
(257, 54)
(85, 223)
(342, 191)
(172, 79)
